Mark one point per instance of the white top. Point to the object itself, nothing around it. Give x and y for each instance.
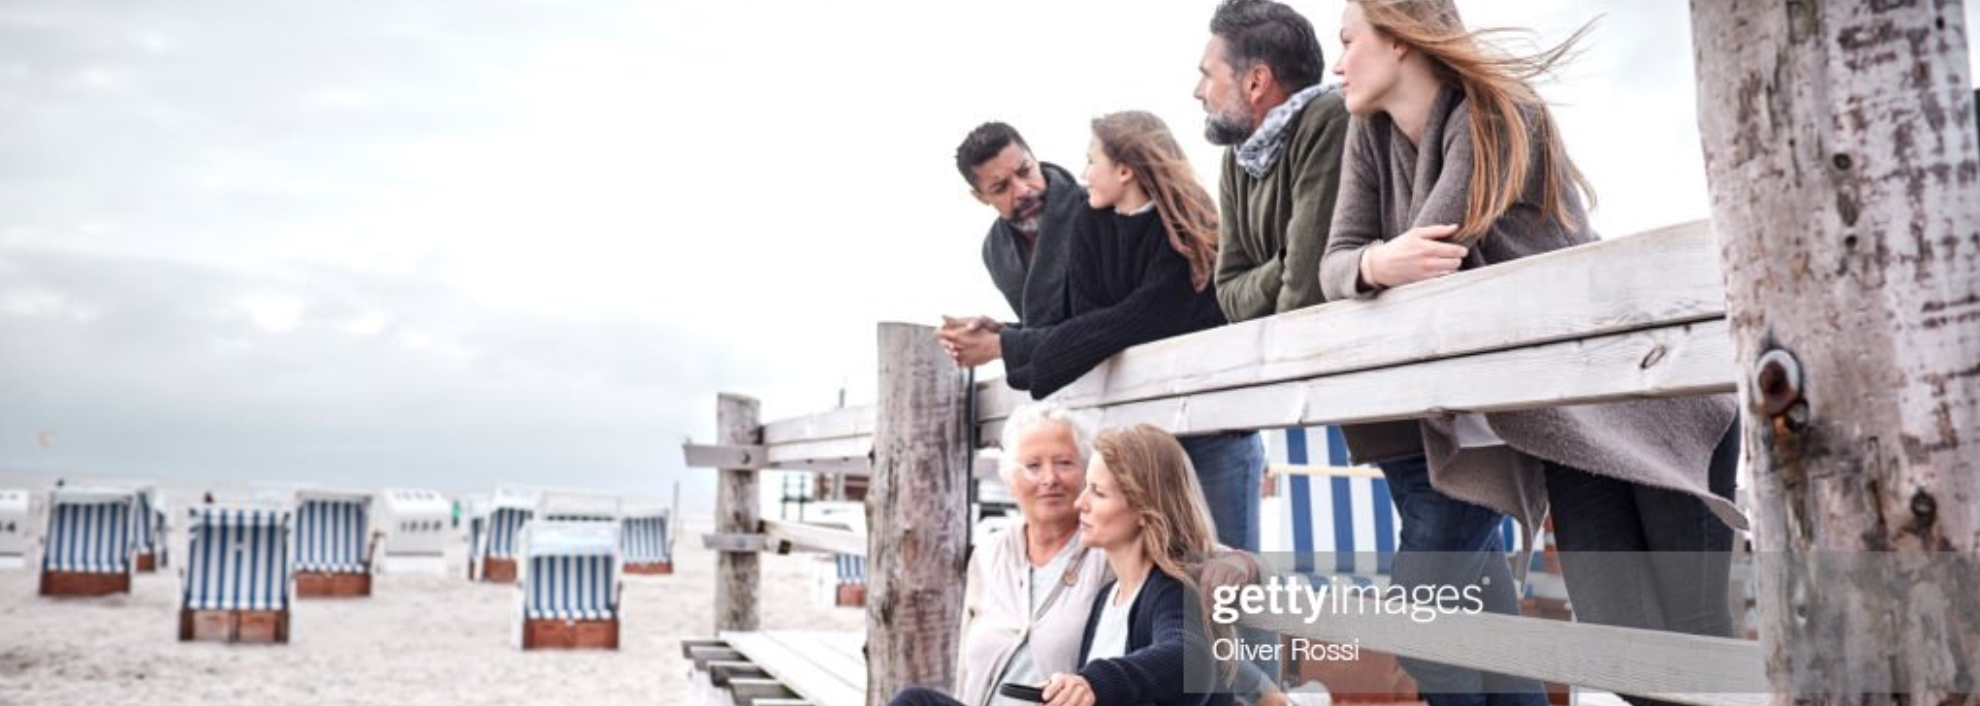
(1110, 634)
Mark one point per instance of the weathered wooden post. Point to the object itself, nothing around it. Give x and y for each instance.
(916, 515)
(1840, 146)
(736, 572)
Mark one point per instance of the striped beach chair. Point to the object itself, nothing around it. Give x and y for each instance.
(646, 543)
(236, 575)
(1338, 523)
(148, 530)
(568, 593)
(497, 553)
(334, 544)
(86, 547)
(851, 589)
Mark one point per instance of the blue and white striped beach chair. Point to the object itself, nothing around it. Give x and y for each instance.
(1338, 524)
(148, 530)
(334, 544)
(236, 575)
(646, 544)
(16, 536)
(497, 554)
(568, 593)
(86, 549)
(851, 588)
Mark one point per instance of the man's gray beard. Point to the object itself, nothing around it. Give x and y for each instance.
(1028, 226)
(1224, 132)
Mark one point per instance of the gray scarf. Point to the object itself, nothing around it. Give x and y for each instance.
(1262, 149)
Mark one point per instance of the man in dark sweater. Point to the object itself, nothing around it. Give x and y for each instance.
(1260, 86)
(1026, 250)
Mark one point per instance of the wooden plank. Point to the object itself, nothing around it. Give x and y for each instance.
(721, 672)
(800, 535)
(688, 646)
(737, 574)
(836, 424)
(1658, 279)
(837, 652)
(701, 655)
(740, 542)
(859, 467)
(798, 670)
(730, 457)
(1705, 671)
(746, 691)
(1296, 469)
(852, 447)
(1684, 360)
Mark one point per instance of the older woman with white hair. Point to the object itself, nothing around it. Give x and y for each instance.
(1031, 588)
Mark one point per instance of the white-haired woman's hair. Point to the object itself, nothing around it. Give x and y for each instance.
(1035, 415)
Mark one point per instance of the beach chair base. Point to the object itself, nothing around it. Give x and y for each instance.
(322, 584)
(249, 626)
(147, 563)
(570, 634)
(72, 583)
(495, 570)
(657, 568)
(851, 595)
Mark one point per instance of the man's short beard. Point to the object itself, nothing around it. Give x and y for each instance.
(1224, 131)
(1028, 226)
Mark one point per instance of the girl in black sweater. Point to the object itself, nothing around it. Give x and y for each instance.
(1142, 256)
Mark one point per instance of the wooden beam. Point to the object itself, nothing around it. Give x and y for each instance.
(1683, 360)
(731, 457)
(805, 536)
(917, 515)
(737, 574)
(1705, 671)
(829, 450)
(1657, 279)
(836, 424)
(861, 466)
(741, 542)
(721, 672)
(747, 690)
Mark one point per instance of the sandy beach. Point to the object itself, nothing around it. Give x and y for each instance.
(419, 640)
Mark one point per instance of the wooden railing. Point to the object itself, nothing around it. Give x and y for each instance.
(1634, 317)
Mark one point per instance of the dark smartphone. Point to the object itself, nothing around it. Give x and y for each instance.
(1022, 692)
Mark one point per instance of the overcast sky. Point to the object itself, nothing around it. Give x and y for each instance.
(452, 243)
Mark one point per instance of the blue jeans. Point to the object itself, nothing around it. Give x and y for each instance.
(1231, 469)
(1449, 542)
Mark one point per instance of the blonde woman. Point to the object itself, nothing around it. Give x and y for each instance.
(1454, 162)
(1142, 508)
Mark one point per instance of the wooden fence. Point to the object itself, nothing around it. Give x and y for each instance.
(1633, 317)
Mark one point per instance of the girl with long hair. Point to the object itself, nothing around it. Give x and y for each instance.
(1455, 162)
(1142, 508)
(1142, 259)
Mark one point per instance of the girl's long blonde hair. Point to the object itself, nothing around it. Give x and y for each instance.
(1507, 115)
(1142, 142)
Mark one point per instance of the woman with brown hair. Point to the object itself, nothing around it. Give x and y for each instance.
(1142, 508)
(1454, 162)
